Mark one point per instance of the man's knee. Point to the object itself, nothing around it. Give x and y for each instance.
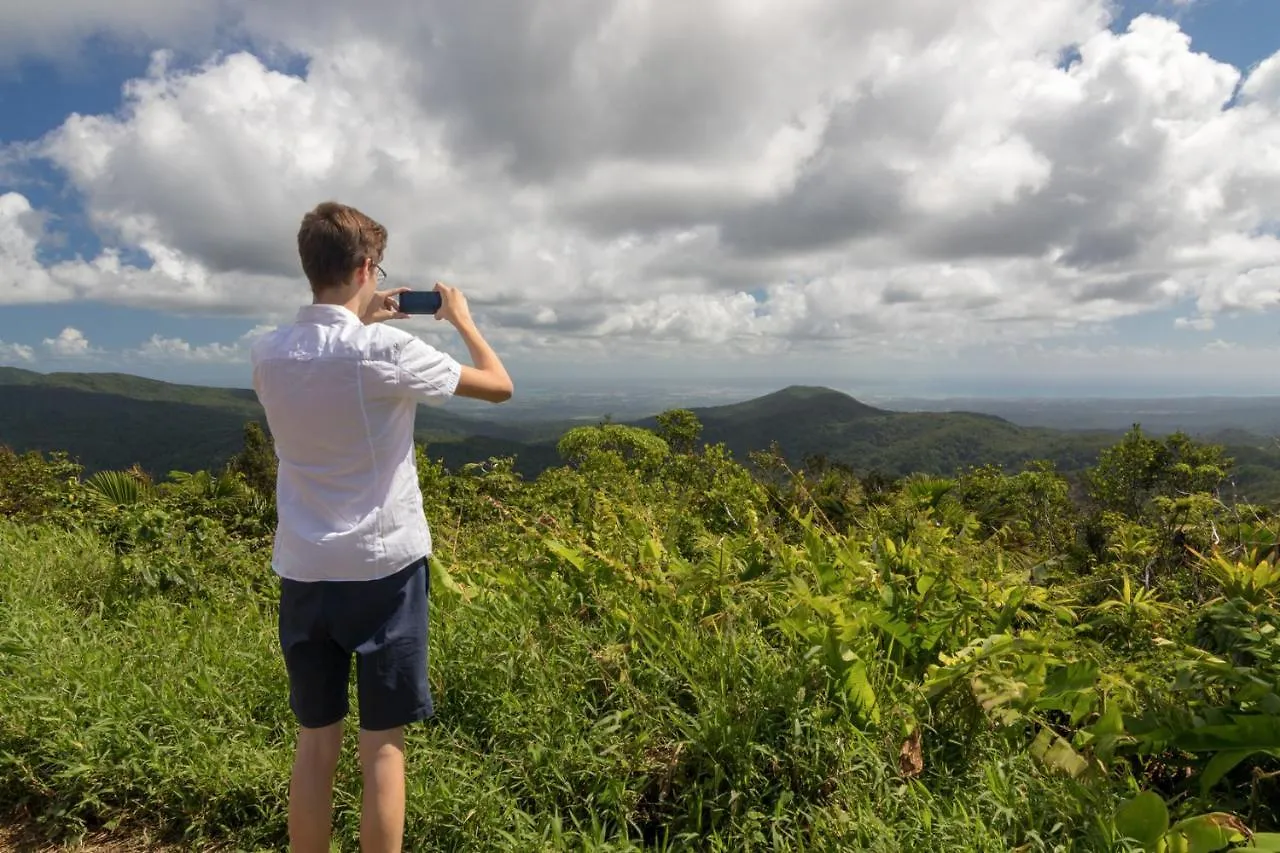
(380, 746)
(320, 747)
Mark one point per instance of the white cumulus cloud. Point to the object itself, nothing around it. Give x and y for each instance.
(756, 177)
(70, 343)
(160, 348)
(23, 279)
(16, 353)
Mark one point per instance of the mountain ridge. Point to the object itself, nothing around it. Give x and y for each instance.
(112, 421)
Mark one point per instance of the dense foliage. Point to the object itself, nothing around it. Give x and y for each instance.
(654, 646)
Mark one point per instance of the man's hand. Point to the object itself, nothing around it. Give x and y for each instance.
(453, 306)
(384, 306)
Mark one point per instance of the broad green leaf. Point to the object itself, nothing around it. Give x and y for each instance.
(1075, 676)
(1145, 818)
(1257, 732)
(1265, 841)
(1208, 833)
(572, 556)
(1105, 734)
(441, 578)
(1220, 766)
(1110, 722)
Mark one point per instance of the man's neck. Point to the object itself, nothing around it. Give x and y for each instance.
(347, 296)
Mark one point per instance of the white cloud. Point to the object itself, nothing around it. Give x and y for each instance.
(1263, 84)
(159, 348)
(16, 353)
(1199, 324)
(763, 177)
(70, 343)
(22, 277)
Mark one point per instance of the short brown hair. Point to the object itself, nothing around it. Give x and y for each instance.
(334, 240)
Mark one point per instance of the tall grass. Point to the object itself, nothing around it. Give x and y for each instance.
(636, 725)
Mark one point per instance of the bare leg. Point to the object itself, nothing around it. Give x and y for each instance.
(382, 815)
(311, 789)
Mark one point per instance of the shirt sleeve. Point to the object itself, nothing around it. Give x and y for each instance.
(425, 373)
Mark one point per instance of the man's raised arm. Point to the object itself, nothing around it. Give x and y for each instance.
(488, 379)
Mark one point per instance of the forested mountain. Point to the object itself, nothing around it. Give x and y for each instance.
(113, 421)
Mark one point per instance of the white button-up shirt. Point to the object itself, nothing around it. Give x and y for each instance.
(340, 399)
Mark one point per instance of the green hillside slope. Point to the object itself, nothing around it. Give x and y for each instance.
(112, 421)
(807, 422)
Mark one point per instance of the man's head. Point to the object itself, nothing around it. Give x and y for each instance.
(340, 246)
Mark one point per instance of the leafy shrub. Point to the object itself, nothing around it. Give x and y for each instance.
(655, 647)
(34, 488)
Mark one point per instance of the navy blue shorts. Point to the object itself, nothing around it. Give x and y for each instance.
(383, 623)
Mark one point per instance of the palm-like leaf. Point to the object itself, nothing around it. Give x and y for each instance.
(118, 488)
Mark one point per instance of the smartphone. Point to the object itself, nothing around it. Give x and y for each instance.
(420, 302)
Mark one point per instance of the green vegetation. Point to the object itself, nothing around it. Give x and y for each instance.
(107, 421)
(652, 647)
(112, 421)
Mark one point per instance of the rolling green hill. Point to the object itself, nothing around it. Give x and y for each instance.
(112, 421)
(819, 422)
(807, 421)
(131, 387)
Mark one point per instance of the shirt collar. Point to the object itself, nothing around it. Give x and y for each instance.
(328, 315)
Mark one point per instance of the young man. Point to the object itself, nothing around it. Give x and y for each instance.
(340, 389)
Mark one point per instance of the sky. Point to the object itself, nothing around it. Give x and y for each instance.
(990, 197)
